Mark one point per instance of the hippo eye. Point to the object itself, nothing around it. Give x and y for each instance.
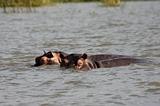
(79, 64)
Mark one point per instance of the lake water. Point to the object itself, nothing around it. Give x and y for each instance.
(132, 29)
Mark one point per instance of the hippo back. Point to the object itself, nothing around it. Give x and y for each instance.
(99, 57)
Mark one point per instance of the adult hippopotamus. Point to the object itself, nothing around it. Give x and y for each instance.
(86, 62)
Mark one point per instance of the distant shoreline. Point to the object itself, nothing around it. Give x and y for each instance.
(38, 3)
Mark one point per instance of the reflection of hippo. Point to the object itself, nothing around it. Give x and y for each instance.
(104, 61)
(49, 58)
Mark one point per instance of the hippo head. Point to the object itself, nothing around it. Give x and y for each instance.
(69, 60)
(82, 63)
(48, 58)
(86, 63)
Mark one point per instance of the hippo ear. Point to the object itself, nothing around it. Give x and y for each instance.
(62, 56)
(49, 54)
(52, 54)
(44, 51)
(84, 56)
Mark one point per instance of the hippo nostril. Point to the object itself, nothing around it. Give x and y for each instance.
(38, 61)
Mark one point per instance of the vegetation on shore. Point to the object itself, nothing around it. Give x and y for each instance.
(111, 2)
(18, 5)
(35, 3)
(24, 3)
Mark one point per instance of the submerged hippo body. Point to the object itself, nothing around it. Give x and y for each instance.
(99, 57)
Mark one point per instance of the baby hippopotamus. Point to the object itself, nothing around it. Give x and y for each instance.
(49, 58)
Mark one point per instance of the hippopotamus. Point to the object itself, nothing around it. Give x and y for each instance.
(48, 58)
(86, 62)
(93, 60)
